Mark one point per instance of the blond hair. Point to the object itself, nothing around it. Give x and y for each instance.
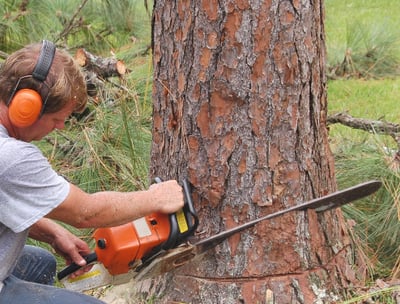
(65, 80)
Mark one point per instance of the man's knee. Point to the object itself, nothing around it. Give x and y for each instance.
(36, 265)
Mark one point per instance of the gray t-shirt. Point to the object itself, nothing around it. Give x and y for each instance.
(29, 189)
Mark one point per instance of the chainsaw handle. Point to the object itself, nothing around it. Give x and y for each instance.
(188, 211)
(90, 258)
(189, 206)
(176, 236)
(188, 196)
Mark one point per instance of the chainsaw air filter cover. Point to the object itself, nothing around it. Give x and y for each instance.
(119, 247)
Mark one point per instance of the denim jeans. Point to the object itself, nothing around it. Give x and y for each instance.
(36, 265)
(32, 279)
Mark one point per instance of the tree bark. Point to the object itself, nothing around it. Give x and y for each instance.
(240, 110)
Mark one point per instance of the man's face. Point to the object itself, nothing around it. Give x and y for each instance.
(46, 124)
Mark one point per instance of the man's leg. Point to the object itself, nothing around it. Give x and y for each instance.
(36, 265)
(23, 292)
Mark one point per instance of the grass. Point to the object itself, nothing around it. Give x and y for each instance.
(369, 96)
(339, 13)
(360, 24)
(373, 99)
(360, 30)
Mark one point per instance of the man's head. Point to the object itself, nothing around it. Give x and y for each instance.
(38, 74)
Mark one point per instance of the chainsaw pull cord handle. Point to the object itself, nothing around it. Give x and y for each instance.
(90, 258)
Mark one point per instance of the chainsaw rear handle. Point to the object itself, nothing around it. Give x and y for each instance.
(176, 237)
(188, 206)
(90, 258)
(189, 209)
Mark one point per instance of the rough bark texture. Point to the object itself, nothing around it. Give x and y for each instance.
(240, 110)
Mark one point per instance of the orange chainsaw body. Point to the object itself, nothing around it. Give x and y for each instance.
(120, 247)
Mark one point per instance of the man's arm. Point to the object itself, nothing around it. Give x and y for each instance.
(108, 208)
(64, 242)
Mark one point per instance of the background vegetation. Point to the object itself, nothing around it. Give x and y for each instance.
(363, 67)
(108, 147)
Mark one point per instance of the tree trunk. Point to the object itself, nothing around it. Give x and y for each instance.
(240, 110)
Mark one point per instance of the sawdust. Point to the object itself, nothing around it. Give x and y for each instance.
(119, 294)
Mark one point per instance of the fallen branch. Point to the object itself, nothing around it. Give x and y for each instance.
(98, 69)
(102, 67)
(373, 126)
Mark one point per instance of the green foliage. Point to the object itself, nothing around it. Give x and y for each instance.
(376, 217)
(373, 99)
(98, 25)
(363, 38)
(363, 42)
(371, 52)
(108, 149)
(383, 296)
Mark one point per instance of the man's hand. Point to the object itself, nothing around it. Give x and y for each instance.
(64, 242)
(168, 196)
(72, 249)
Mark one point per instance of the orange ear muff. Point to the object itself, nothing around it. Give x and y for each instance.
(25, 107)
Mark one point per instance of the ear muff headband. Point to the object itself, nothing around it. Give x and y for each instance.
(45, 60)
(25, 106)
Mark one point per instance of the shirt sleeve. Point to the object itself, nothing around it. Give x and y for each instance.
(29, 187)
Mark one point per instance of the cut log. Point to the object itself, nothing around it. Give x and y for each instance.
(102, 67)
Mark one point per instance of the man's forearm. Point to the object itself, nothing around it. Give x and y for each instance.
(44, 230)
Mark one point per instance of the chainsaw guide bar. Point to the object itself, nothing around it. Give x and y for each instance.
(167, 259)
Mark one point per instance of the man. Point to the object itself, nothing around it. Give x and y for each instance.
(40, 86)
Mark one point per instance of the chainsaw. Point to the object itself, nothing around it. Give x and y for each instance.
(159, 243)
